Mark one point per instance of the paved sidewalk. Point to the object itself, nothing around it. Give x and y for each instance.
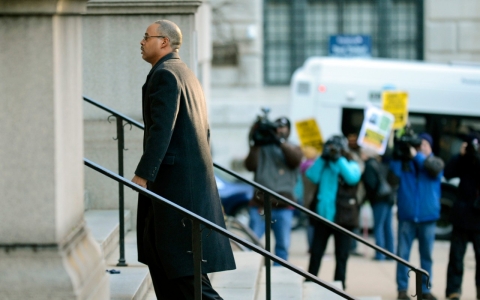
(366, 277)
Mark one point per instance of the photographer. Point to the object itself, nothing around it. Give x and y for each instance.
(275, 162)
(419, 174)
(465, 214)
(334, 173)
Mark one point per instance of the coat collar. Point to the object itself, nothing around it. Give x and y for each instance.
(171, 55)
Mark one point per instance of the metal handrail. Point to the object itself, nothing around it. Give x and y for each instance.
(269, 193)
(195, 218)
(114, 112)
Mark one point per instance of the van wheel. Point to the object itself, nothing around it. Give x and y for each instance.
(444, 227)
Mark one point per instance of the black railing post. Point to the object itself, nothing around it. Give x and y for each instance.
(268, 227)
(418, 284)
(121, 146)
(197, 257)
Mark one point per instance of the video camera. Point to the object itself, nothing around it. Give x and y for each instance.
(402, 144)
(264, 130)
(334, 148)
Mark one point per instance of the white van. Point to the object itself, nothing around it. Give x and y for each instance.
(444, 100)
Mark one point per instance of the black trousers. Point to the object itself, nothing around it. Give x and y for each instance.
(181, 288)
(321, 235)
(458, 247)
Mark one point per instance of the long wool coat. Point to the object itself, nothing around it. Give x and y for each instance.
(178, 166)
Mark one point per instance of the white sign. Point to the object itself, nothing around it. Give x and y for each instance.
(376, 128)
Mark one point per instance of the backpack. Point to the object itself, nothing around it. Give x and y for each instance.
(347, 206)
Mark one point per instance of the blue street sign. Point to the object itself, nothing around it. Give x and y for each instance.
(350, 45)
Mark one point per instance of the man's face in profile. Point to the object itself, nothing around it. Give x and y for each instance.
(151, 44)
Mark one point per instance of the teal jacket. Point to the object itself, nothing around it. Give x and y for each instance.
(325, 173)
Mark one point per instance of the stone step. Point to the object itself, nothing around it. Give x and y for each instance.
(313, 291)
(285, 285)
(133, 283)
(131, 257)
(105, 227)
(239, 284)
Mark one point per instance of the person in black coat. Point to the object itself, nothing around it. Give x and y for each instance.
(465, 214)
(176, 164)
(381, 197)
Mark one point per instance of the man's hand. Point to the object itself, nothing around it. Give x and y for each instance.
(413, 152)
(463, 148)
(140, 181)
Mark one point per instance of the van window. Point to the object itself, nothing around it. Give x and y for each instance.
(303, 88)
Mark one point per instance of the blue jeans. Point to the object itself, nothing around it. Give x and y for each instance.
(407, 232)
(281, 227)
(383, 230)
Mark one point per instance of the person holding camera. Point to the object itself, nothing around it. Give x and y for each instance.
(275, 163)
(336, 176)
(419, 175)
(465, 214)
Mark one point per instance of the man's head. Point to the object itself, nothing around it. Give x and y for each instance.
(160, 39)
(427, 143)
(472, 143)
(283, 127)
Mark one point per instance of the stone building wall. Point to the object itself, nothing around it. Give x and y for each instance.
(452, 31)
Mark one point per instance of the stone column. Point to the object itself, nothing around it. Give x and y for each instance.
(45, 250)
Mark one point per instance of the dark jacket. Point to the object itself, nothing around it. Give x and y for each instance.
(371, 181)
(178, 166)
(418, 195)
(292, 157)
(463, 214)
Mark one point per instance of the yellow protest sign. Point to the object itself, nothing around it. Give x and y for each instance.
(396, 103)
(309, 134)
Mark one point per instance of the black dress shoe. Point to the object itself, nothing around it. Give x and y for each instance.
(402, 295)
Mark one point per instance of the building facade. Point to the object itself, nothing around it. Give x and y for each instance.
(258, 44)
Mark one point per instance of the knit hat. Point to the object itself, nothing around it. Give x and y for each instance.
(427, 137)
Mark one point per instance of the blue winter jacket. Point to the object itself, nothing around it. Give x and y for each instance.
(326, 174)
(418, 196)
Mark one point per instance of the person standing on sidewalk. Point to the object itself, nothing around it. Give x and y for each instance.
(275, 162)
(381, 197)
(465, 214)
(176, 164)
(329, 171)
(418, 201)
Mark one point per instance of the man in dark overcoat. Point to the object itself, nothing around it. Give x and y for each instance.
(176, 164)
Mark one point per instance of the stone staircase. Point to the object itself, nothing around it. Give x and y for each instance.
(133, 282)
(247, 282)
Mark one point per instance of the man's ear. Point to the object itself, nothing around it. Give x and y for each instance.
(164, 43)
